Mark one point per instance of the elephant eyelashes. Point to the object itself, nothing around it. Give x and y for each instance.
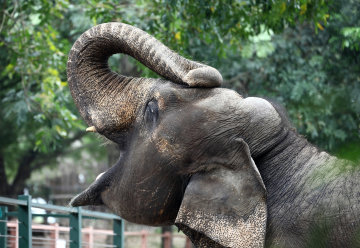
(151, 113)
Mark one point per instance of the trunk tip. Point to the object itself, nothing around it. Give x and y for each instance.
(203, 77)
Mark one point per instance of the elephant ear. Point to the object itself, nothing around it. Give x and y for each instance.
(226, 206)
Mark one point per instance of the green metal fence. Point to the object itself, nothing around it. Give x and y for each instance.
(74, 214)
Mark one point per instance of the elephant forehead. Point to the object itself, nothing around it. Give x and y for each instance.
(260, 110)
(220, 100)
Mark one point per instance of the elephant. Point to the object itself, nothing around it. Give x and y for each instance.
(227, 170)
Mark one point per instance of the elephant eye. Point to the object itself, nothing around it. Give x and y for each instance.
(151, 113)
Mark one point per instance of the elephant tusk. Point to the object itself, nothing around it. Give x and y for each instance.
(100, 175)
(91, 129)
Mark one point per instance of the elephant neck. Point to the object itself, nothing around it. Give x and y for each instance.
(285, 160)
(306, 186)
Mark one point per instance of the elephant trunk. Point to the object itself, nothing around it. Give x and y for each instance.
(109, 101)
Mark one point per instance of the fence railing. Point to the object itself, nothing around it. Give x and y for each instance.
(90, 234)
(75, 215)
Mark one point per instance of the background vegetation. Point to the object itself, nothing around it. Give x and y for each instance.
(303, 54)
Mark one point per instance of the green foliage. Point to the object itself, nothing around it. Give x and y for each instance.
(314, 76)
(224, 24)
(346, 24)
(34, 93)
(38, 114)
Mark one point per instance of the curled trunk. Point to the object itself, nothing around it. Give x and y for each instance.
(110, 101)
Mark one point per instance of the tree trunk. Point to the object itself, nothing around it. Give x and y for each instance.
(24, 172)
(3, 180)
(29, 162)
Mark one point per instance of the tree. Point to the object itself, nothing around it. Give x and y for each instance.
(314, 73)
(39, 120)
(190, 25)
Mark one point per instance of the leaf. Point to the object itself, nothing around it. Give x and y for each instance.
(319, 26)
(340, 134)
(9, 71)
(178, 36)
(303, 9)
(35, 19)
(283, 7)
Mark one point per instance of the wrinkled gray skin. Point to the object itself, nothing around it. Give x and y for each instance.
(189, 149)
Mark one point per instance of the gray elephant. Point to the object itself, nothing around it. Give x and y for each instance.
(228, 171)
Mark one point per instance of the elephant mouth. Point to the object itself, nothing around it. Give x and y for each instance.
(92, 195)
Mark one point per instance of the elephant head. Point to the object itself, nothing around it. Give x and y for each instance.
(185, 152)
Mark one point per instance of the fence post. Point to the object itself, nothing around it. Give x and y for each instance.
(25, 222)
(167, 239)
(118, 229)
(188, 243)
(3, 226)
(75, 229)
(144, 235)
(55, 234)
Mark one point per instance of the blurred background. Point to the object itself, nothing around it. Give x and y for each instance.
(303, 54)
